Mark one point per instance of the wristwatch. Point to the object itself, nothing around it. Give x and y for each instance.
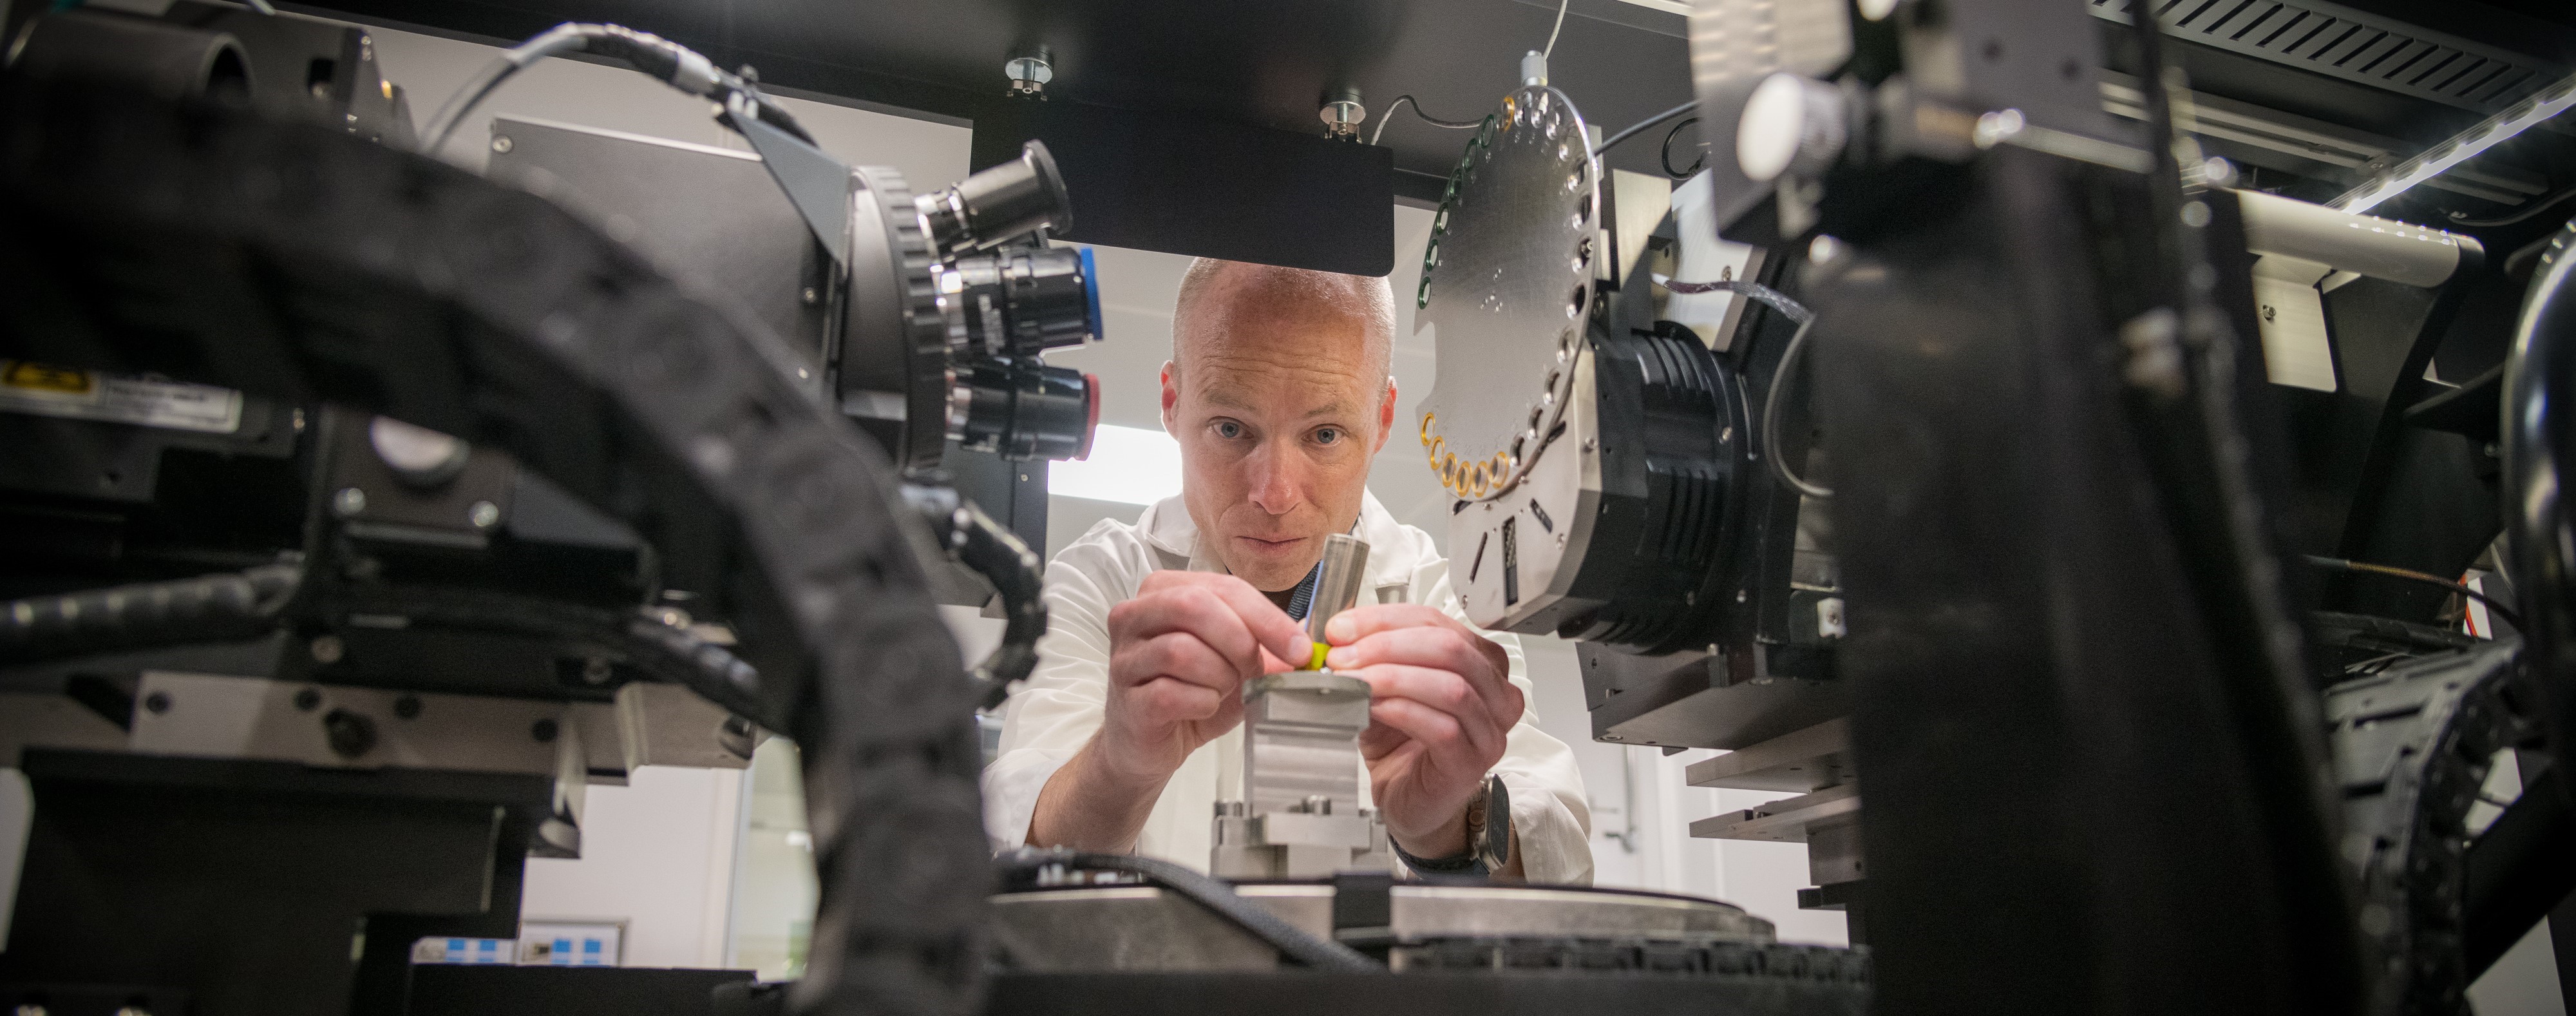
(1489, 836)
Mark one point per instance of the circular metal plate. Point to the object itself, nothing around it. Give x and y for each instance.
(1144, 928)
(1507, 280)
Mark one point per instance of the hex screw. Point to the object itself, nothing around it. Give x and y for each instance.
(308, 700)
(349, 734)
(349, 502)
(501, 143)
(484, 514)
(158, 702)
(328, 649)
(544, 731)
(595, 671)
(407, 707)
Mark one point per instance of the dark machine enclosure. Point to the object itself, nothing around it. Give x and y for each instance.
(716, 220)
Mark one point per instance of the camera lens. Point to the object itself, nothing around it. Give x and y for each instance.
(1023, 409)
(996, 204)
(1020, 301)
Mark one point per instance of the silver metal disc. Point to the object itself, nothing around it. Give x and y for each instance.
(1507, 280)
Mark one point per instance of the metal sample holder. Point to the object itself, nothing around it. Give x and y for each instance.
(1300, 815)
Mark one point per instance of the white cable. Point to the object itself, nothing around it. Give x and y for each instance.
(1419, 114)
(1550, 51)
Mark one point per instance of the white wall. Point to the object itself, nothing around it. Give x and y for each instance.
(657, 854)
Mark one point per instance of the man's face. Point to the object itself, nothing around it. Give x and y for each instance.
(1277, 412)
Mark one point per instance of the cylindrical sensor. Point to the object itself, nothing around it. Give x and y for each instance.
(1337, 581)
(168, 60)
(1023, 409)
(1020, 301)
(996, 204)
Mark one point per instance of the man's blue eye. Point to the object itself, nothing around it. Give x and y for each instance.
(1229, 429)
(1328, 435)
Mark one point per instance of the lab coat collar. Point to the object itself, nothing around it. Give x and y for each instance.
(1167, 527)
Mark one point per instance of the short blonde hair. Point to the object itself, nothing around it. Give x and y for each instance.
(1372, 300)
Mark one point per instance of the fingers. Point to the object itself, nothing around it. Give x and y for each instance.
(1358, 624)
(1192, 613)
(1178, 655)
(1440, 736)
(1269, 626)
(1470, 717)
(1441, 649)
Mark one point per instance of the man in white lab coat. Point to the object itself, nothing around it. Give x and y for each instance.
(1129, 731)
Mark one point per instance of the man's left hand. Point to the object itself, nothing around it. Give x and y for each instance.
(1440, 706)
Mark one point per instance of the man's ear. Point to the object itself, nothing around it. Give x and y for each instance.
(1385, 416)
(1171, 395)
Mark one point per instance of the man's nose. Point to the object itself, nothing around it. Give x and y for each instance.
(1277, 479)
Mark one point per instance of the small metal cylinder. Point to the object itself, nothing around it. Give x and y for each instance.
(1337, 585)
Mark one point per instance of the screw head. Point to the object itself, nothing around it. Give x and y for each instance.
(349, 734)
(812, 296)
(349, 502)
(308, 700)
(484, 514)
(407, 707)
(329, 649)
(595, 671)
(501, 144)
(157, 703)
(544, 731)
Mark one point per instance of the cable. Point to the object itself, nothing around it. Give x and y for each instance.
(1033, 868)
(1771, 417)
(2526, 214)
(1794, 311)
(1455, 125)
(562, 38)
(1550, 51)
(222, 607)
(2493, 606)
(1641, 126)
(659, 58)
(1664, 154)
(962, 528)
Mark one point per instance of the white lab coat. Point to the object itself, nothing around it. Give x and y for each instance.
(1055, 713)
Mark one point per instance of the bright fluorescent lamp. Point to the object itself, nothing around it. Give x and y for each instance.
(1129, 465)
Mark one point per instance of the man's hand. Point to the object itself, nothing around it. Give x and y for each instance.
(1179, 653)
(1441, 703)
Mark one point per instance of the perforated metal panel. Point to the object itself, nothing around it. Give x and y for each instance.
(2341, 42)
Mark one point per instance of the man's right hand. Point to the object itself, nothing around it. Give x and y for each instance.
(1178, 656)
(1179, 653)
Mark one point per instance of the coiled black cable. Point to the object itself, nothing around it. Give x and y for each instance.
(1015, 571)
(210, 608)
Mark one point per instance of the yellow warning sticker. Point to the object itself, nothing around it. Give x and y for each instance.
(39, 377)
(40, 390)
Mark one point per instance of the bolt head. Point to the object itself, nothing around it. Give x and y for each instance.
(349, 502)
(407, 707)
(329, 649)
(157, 703)
(544, 731)
(308, 699)
(501, 144)
(484, 514)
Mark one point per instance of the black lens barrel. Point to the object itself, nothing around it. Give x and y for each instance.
(1027, 410)
(997, 204)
